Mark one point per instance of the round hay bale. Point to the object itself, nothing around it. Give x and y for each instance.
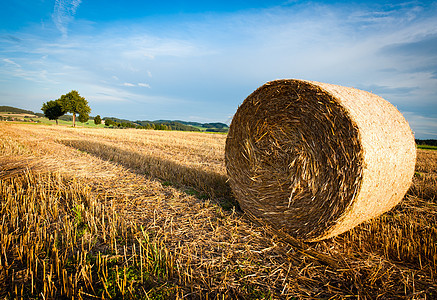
(317, 159)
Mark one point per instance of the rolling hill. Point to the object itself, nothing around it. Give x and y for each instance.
(173, 124)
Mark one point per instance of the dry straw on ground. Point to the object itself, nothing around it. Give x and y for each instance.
(105, 224)
(317, 159)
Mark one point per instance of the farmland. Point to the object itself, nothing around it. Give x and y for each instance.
(143, 214)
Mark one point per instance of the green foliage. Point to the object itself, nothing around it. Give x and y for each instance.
(83, 118)
(127, 125)
(179, 126)
(120, 123)
(53, 110)
(213, 127)
(97, 120)
(428, 142)
(171, 125)
(109, 122)
(76, 104)
(162, 127)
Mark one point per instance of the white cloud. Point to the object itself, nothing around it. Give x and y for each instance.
(63, 14)
(139, 84)
(9, 61)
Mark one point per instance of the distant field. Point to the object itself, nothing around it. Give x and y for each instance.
(29, 118)
(145, 214)
(427, 147)
(17, 115)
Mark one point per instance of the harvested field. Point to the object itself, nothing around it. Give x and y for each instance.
(146, 214)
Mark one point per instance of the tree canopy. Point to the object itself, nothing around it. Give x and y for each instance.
(53, 110)
(75, 104)
(109, 122)
(97, 120)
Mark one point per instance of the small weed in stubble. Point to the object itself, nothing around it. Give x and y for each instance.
(167, 183)
(197, 194)
(79, 222)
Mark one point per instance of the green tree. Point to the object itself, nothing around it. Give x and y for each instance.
(97, 120)
(109, 122)
(75, 104)
(53, 110)
(162, 127)
(84, 118)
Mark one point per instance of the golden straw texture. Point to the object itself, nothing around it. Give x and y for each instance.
(317, 159)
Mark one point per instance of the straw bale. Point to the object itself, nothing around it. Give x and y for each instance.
(316, 159)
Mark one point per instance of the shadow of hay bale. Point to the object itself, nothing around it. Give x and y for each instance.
(205, 183)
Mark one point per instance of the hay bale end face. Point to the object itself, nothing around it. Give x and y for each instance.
(317, 159)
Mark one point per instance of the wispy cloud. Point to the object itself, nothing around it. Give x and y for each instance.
(11, 62)
(141, 84)
(12, 69)
(63, 14)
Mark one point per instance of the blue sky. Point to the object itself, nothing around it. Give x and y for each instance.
(198, 60)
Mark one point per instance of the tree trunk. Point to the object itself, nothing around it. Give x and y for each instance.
(56, 121)
(74, 119)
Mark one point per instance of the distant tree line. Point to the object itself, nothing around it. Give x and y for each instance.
(197, 124)
(109, 122)
(170, 125)
(426, 142)
(115, 124)
(155, 125)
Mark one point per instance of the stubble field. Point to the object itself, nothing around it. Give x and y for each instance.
(143, 214)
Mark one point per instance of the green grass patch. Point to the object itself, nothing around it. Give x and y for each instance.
(45, 121)
(427, 147)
